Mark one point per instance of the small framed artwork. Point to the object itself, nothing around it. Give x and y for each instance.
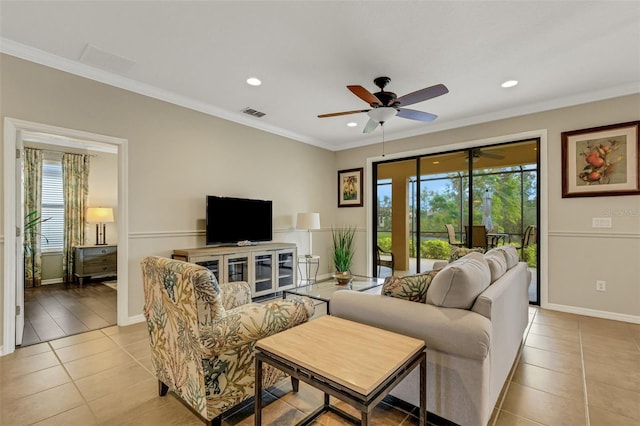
(601, 161)
(350, 188)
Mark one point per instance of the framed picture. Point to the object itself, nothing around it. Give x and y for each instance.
(601, 161)
(350, 188)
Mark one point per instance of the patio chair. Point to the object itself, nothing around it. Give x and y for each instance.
(478, 237)
(202, 335)
(384, 258)
(528, 238)
(452, 236)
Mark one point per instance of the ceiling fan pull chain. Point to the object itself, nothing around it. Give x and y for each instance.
(382, 125)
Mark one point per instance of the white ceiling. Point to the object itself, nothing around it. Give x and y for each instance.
(199, 54)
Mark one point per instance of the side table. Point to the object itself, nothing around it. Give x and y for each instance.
(310, 261)
(91, 261)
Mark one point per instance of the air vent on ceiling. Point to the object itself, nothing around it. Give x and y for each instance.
(94, 56)
(252, 112)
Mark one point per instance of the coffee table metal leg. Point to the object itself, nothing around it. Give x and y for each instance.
(423, 389)
(258, 396)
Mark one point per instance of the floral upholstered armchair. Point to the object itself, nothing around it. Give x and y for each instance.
(202, 334)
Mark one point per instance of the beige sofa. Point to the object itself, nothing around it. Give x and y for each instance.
(470, 348)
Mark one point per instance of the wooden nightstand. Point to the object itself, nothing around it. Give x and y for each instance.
(91, 261)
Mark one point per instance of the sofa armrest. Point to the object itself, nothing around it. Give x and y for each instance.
(448, 330)
(506, 304)
(248, 323)
(235, 294)
(506, 295)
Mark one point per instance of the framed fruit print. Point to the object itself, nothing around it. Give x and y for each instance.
(601, 161)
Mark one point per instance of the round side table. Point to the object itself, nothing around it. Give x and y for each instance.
(312, 265)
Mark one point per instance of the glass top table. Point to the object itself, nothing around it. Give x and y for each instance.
(323, 290)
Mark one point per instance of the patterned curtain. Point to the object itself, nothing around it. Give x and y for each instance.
(75, 186)
(32, 211)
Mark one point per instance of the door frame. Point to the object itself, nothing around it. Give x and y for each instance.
(543, 194)
(12, 254)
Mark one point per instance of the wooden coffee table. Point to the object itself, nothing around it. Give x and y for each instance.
(354, 362)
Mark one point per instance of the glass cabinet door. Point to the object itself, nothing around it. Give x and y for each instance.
(236, 267)
(212, 263)
(286, 271)
(263, 273)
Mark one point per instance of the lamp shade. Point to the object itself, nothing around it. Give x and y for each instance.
(99, 214)
(308, 221)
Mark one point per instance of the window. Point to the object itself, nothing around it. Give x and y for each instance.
(52, 230)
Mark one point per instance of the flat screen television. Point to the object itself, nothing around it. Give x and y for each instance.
(232, 220)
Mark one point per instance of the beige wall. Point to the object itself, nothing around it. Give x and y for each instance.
(177, 156)
(578, 254)
(103, 192)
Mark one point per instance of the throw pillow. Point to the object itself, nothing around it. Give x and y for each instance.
(411, 287)
(510, 254)
(460, 283)
(460, 252)
(497, 263)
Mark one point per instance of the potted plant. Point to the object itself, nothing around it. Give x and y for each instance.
(343, 250)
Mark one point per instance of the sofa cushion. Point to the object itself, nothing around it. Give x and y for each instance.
(460, 252)
(510, 254)
(458, 284)
(410, 287)
(497, 263)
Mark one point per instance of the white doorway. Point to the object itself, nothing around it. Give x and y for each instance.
(13, 252)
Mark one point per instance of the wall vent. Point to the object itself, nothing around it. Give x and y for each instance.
(252, 112)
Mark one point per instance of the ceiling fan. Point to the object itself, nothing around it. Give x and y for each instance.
(385, 105)
(479, 152)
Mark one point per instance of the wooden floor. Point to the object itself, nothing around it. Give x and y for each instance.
(58, 310)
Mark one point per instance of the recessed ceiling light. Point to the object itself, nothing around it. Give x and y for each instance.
(352, 124)
(254, 81)
(509, 83)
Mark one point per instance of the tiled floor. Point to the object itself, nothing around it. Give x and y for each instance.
(54, 311)
(574, 370)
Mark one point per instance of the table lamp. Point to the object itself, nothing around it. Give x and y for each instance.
(100, 216)
(308, 221)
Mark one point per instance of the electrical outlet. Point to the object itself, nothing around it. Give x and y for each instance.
(601, 285)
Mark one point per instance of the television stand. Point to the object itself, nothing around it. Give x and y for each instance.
(267, 267)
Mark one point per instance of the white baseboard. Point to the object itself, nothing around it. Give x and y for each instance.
(593, 313)
(134, 320)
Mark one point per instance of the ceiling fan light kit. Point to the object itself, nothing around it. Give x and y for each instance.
(385, 105)
(382, 114)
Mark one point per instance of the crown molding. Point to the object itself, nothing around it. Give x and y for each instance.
(567, 101)
(41, 57)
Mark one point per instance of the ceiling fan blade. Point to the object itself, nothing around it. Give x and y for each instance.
(364, 94)
(422, 95)
(412, 114)
(370, 127)
(336, 114)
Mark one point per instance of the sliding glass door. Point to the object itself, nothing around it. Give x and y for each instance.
(479, 197)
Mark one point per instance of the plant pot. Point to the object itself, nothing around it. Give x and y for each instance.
(343, 278)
